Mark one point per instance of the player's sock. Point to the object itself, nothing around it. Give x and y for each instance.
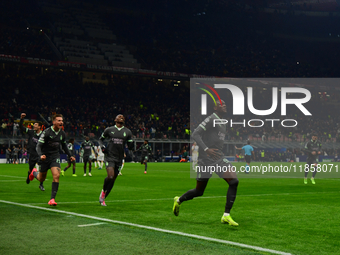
(28, 177)
(247, 168)
(74, 170)
(231, 195)
(306, 172)
(90, 168)
(146, 166)
(55, 186)
(190, 194)
(314, 173)
(108, 185)
(123, 161)
(65, 169)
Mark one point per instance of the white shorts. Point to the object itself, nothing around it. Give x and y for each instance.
(100, 158)
(194, 157)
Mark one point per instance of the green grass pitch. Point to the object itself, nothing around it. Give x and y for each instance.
(282, 214)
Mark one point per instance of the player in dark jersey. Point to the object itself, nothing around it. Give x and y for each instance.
(33, 137)
(70, 147)
(15, 153)
(146, 152)
(118, 136)
(48, 148)
(313, 149)
(8, 155)
(210, 140)
(87, 146)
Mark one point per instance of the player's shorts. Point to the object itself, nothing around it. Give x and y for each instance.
(87, 158)
(144, 158)
(247, 158)
(15, 157)
(69, 160)
(115, 165)
(311, 162)
(48, 163)
(225, 172)
(100, 158)
(32, 161)
(194, 156)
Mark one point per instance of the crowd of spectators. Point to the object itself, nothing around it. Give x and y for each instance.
(153, 108)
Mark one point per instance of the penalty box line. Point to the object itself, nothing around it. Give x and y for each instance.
(256, 248)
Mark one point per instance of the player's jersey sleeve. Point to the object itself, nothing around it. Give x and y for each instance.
(129, 140)
(205, 126)
(94, 148)
(41, 142)
(103, 137)
(64, 145)
(308, 147)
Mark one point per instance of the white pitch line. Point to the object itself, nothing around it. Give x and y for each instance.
(10, 180)
(13, 176)
(93, 224)
(256, 248)
(166, 199)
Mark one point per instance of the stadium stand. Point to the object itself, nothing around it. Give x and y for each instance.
(95, 35)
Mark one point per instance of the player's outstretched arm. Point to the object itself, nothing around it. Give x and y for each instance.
(320, 149)
(21, 123)
(65, 148)
(308, 148)
(129, 141)
(197, 136)
(40, 143)
(102, 139)
(94, 150)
